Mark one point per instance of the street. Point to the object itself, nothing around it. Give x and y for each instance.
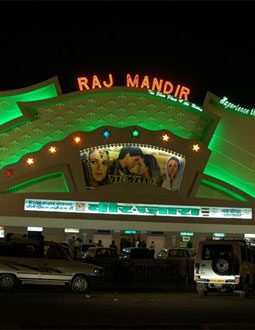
(56, 308)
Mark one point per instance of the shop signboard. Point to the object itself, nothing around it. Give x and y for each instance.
(132, 164)
(135, 209)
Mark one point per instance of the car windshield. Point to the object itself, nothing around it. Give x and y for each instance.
(211, 251)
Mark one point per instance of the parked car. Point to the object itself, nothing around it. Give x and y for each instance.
(131, 253)
(140, 264)
(180, 257)
(224, 265)
(107, 258)
(86, 246)
(100, 255)
(173, 253)
(29, 261)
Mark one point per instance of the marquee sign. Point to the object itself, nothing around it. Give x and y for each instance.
(134, 209)
(159, 85)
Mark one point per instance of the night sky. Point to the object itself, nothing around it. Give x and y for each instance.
(202, 45)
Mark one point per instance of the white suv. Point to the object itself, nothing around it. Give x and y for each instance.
(224, 265)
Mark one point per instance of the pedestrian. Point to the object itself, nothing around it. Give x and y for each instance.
(99, 244)
(113, 245)
(152, 246)
(143, 244)
(77, 246)
(137, 243)
(71, 245)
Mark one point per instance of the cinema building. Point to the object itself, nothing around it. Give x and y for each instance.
(119, 163)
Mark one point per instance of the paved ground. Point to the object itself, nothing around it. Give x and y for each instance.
(57, 308)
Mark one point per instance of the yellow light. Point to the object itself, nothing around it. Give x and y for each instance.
(195, 147)
(52, 150)
(30, 161)
(165, 137)
(77, 139)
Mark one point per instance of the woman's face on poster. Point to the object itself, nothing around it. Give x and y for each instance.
(140, 168)
(172, 168)
(99, 162)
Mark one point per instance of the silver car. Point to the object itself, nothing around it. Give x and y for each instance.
(30, 261)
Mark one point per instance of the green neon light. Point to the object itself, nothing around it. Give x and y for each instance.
(147, 124)
(38, 180)
(219, 235)
(130, 232)
(16, 148)
(234, 108)
(183, 233)
(9, 108)
(224, 189)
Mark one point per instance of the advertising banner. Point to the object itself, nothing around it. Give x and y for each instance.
(133, 164)
(135, 209)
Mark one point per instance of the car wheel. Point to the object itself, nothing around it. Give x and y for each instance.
(221, 266)
(7, 282)
(79, 284)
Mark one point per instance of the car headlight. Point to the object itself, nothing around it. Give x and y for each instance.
(98, 271)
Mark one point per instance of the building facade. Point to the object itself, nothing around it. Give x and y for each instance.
(123, 163)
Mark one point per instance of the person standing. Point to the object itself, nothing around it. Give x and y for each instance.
(71, 245)
(77, 246)
(152, 248)
(113, 246)
(143, 244)
(99, 244)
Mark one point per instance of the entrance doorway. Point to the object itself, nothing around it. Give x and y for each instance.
(128, 240)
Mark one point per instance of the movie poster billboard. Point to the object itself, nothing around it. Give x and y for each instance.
(133, 164)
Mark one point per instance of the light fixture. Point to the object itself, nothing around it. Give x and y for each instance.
(77, 139)
(30, 161)
(165, 137)
(9, 172)
(106, 134)
(195, 147)
(52, 150)
(135, 133)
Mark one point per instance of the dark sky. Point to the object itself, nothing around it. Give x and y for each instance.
(202, 45)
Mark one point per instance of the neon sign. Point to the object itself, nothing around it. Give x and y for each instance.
(236, 107)
(159, 85)
(134, 209)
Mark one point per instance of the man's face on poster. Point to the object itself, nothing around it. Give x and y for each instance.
(132, 161)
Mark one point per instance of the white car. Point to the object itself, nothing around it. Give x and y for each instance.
(26, 261)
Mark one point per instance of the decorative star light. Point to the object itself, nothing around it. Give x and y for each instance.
(135, 133)
(106, 134)
(30, 161)
(77, 139)
(195, 147)
(52, 150)
(9, 172)
(165, 137)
